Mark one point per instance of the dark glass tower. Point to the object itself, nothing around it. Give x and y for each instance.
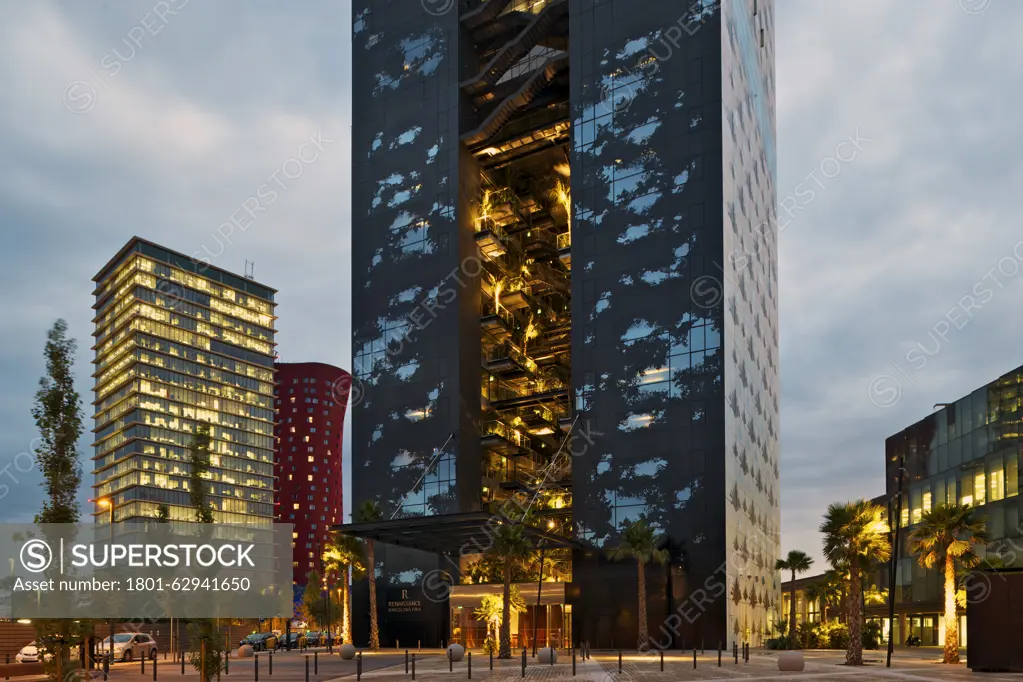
(564, 265)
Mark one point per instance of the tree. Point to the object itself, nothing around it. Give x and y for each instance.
(208, 661)
(370, 512)
(163, 514)
(491, 611)
(199, 456)
(639, 541)
(345, 553)
(855, 534)
(58, 415)
(511, 545)
(828, 591)
(797, 562)
(947, 534)
(311, 596)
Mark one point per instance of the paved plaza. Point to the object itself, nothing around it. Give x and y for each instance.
(387, 666)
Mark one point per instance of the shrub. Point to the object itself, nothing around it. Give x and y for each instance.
(834, 636)
(777, 643)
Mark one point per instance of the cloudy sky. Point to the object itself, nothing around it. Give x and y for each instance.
(101, 140)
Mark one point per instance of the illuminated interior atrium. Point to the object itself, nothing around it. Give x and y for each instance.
(178, 344)
(519, 136)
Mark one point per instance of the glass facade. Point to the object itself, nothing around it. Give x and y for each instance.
(966, 452)
(179, 344)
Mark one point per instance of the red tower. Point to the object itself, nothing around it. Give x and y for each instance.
(311, 401)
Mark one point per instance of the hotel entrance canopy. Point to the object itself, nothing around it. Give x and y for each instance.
(450, 534)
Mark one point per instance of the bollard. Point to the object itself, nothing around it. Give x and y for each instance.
(719, 653)
(662, 660)
(523, 662)
(413, 666)
(573, 661)
(154, 668)
(552, 654)
(106, 668)
(694, 658)
(316, 663)
(406, 661)
(227, 658)
(702, 649)
(735, 652)
(255, 665)
(182, 662)
(358, 666)
(7, 661)
(306, 669)
(420, 646)
(142, 658)
(619, 660)
(491, 657)
(451, 662)
(468, 663)
(270, 672)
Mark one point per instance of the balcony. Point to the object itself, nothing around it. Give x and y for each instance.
(498, 323)
(498, 437)
(492, 241)
(507, 359)
(565, 248)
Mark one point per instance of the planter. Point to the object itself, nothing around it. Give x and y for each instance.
(791, 661)
(456, 652)
(544, 655)
(347, 651)
(245, 651)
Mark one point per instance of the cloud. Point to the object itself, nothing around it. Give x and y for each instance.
(173, 144)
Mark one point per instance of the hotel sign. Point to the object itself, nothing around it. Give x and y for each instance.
(404, 604)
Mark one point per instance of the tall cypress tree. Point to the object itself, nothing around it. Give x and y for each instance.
(58, 415)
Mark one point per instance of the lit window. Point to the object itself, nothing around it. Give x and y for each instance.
(311, 459)
(295, 506)
(292, 398)
(309, 477)
(979, 489)
(927, 500)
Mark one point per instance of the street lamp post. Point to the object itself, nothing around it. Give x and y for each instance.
(109, 504)
(895, 561)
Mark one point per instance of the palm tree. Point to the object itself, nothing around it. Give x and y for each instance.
(855, 534)
(948, 533)
(639, 541)
(797, 562)
(368, 513)
(344, 552)
(512, 546)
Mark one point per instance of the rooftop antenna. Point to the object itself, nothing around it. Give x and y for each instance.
(250, 269)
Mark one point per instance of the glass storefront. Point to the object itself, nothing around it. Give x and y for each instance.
(550, 621)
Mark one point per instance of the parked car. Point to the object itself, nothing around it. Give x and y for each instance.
(251, 640)
(31, 653)
(129, 646)
(296, 640)
(314, 638)
(261, 641)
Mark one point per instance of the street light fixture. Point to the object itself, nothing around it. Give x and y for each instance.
(108, 503)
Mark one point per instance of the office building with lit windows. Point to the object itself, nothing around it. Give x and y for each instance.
(565, 300)
(311, 402)
(179, 343)
(968, 451)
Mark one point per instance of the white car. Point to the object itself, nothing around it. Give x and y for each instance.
(30, 653)
(129, 647)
